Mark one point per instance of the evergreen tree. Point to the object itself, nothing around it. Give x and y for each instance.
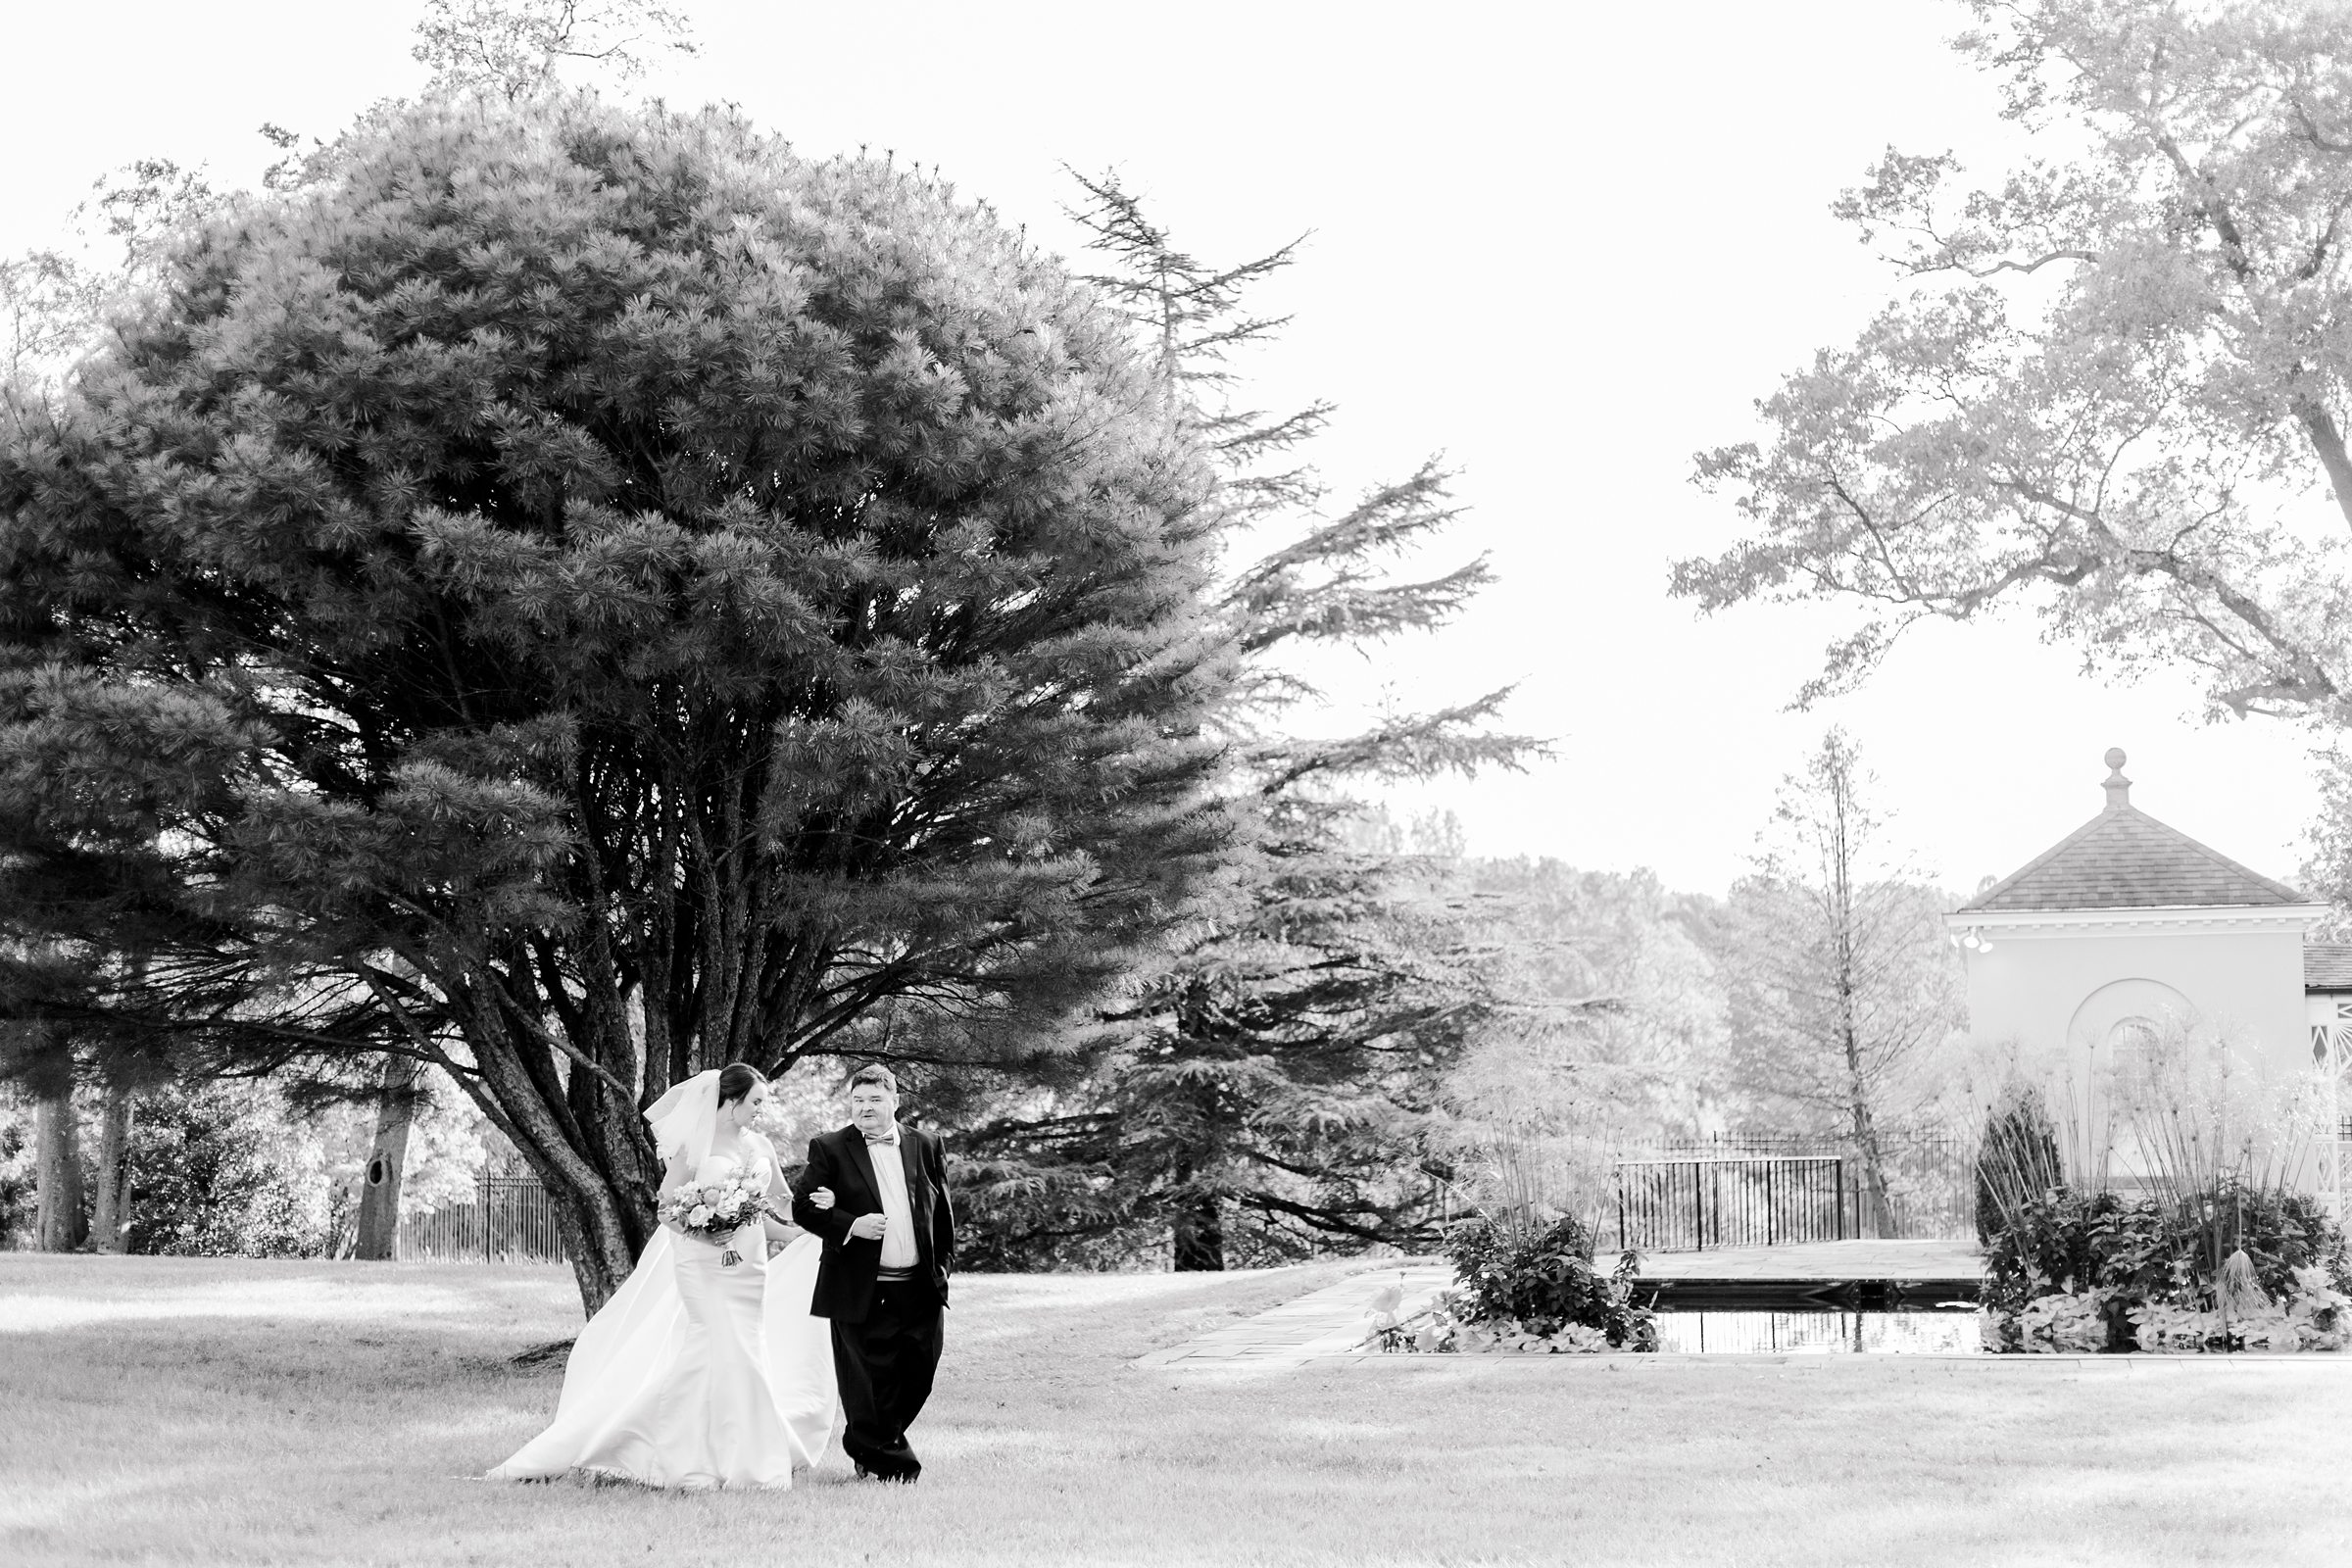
(579, 594)
(1288, 1065)
(52, 305)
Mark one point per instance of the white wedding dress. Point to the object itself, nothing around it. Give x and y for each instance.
(696, 1375)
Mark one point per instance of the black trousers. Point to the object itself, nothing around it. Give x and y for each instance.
(884, 1366)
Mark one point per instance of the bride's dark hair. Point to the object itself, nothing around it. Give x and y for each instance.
(735, 1080)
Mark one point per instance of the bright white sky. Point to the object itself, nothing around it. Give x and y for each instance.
(1566, 244)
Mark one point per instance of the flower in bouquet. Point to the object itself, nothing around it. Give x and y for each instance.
(717, 1209)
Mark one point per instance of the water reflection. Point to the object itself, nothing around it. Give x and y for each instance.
(1950, 1333)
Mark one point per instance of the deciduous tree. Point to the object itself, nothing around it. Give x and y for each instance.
(2116, 384)
(518, 47)
(1842, 984)
(1650, 1040)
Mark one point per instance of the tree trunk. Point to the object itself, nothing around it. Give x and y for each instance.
(1878, 1206)
(604, 1231)
(588, 1145)
(63, 1223)
(110, 1206)
(1846, 936)
(387, 1160)
(1199, 1227)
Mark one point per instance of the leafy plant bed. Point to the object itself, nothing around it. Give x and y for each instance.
(2206, 1241)
(2112, 1322)
(2225, 1271)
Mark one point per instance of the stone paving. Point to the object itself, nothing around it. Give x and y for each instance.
(1330, 1321)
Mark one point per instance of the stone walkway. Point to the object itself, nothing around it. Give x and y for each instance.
(1330, 1321)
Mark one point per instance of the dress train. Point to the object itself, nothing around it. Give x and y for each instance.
(695, 1375)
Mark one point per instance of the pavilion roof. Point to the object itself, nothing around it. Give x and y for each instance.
(2124, 858)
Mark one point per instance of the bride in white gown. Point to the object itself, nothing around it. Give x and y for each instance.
(698, 1374)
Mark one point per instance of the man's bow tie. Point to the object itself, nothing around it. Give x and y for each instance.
(871, 1140)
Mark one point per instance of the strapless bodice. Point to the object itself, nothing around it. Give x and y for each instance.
(718, 1167)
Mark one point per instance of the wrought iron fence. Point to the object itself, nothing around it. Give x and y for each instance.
(509, 1219)
(1931, 1177)
(1687, 1206)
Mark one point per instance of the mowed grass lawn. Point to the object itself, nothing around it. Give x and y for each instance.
(232, 1412)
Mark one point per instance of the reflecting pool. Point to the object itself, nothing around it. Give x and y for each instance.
(1951, 1332)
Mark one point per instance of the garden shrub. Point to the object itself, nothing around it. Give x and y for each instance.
(1544, 1280)
(20, 1187)
(2018, 1161)
(213, 1174)
(1525, 1287)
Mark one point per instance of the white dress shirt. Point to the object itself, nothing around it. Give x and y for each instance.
(899, 1254)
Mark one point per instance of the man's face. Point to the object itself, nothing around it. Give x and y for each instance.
(872, 1107)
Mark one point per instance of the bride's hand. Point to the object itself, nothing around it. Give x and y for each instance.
(820, 1198)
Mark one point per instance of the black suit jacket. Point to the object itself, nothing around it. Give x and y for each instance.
(845, 1275)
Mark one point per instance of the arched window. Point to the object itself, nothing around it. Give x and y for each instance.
(2131, 1051)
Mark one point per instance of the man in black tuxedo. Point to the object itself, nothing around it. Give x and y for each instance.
(889, 1240)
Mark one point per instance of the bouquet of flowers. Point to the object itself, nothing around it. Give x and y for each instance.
(718, 1209)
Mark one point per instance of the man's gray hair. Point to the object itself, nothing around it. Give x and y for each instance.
(873, 1072)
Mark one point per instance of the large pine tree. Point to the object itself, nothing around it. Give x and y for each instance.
(1282, 1073)
(578, 595)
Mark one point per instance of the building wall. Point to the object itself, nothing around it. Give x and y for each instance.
(2055, 994)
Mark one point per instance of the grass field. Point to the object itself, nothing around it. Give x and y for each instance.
(199, 1411)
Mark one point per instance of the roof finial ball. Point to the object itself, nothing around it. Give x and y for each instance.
(2119, 788)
